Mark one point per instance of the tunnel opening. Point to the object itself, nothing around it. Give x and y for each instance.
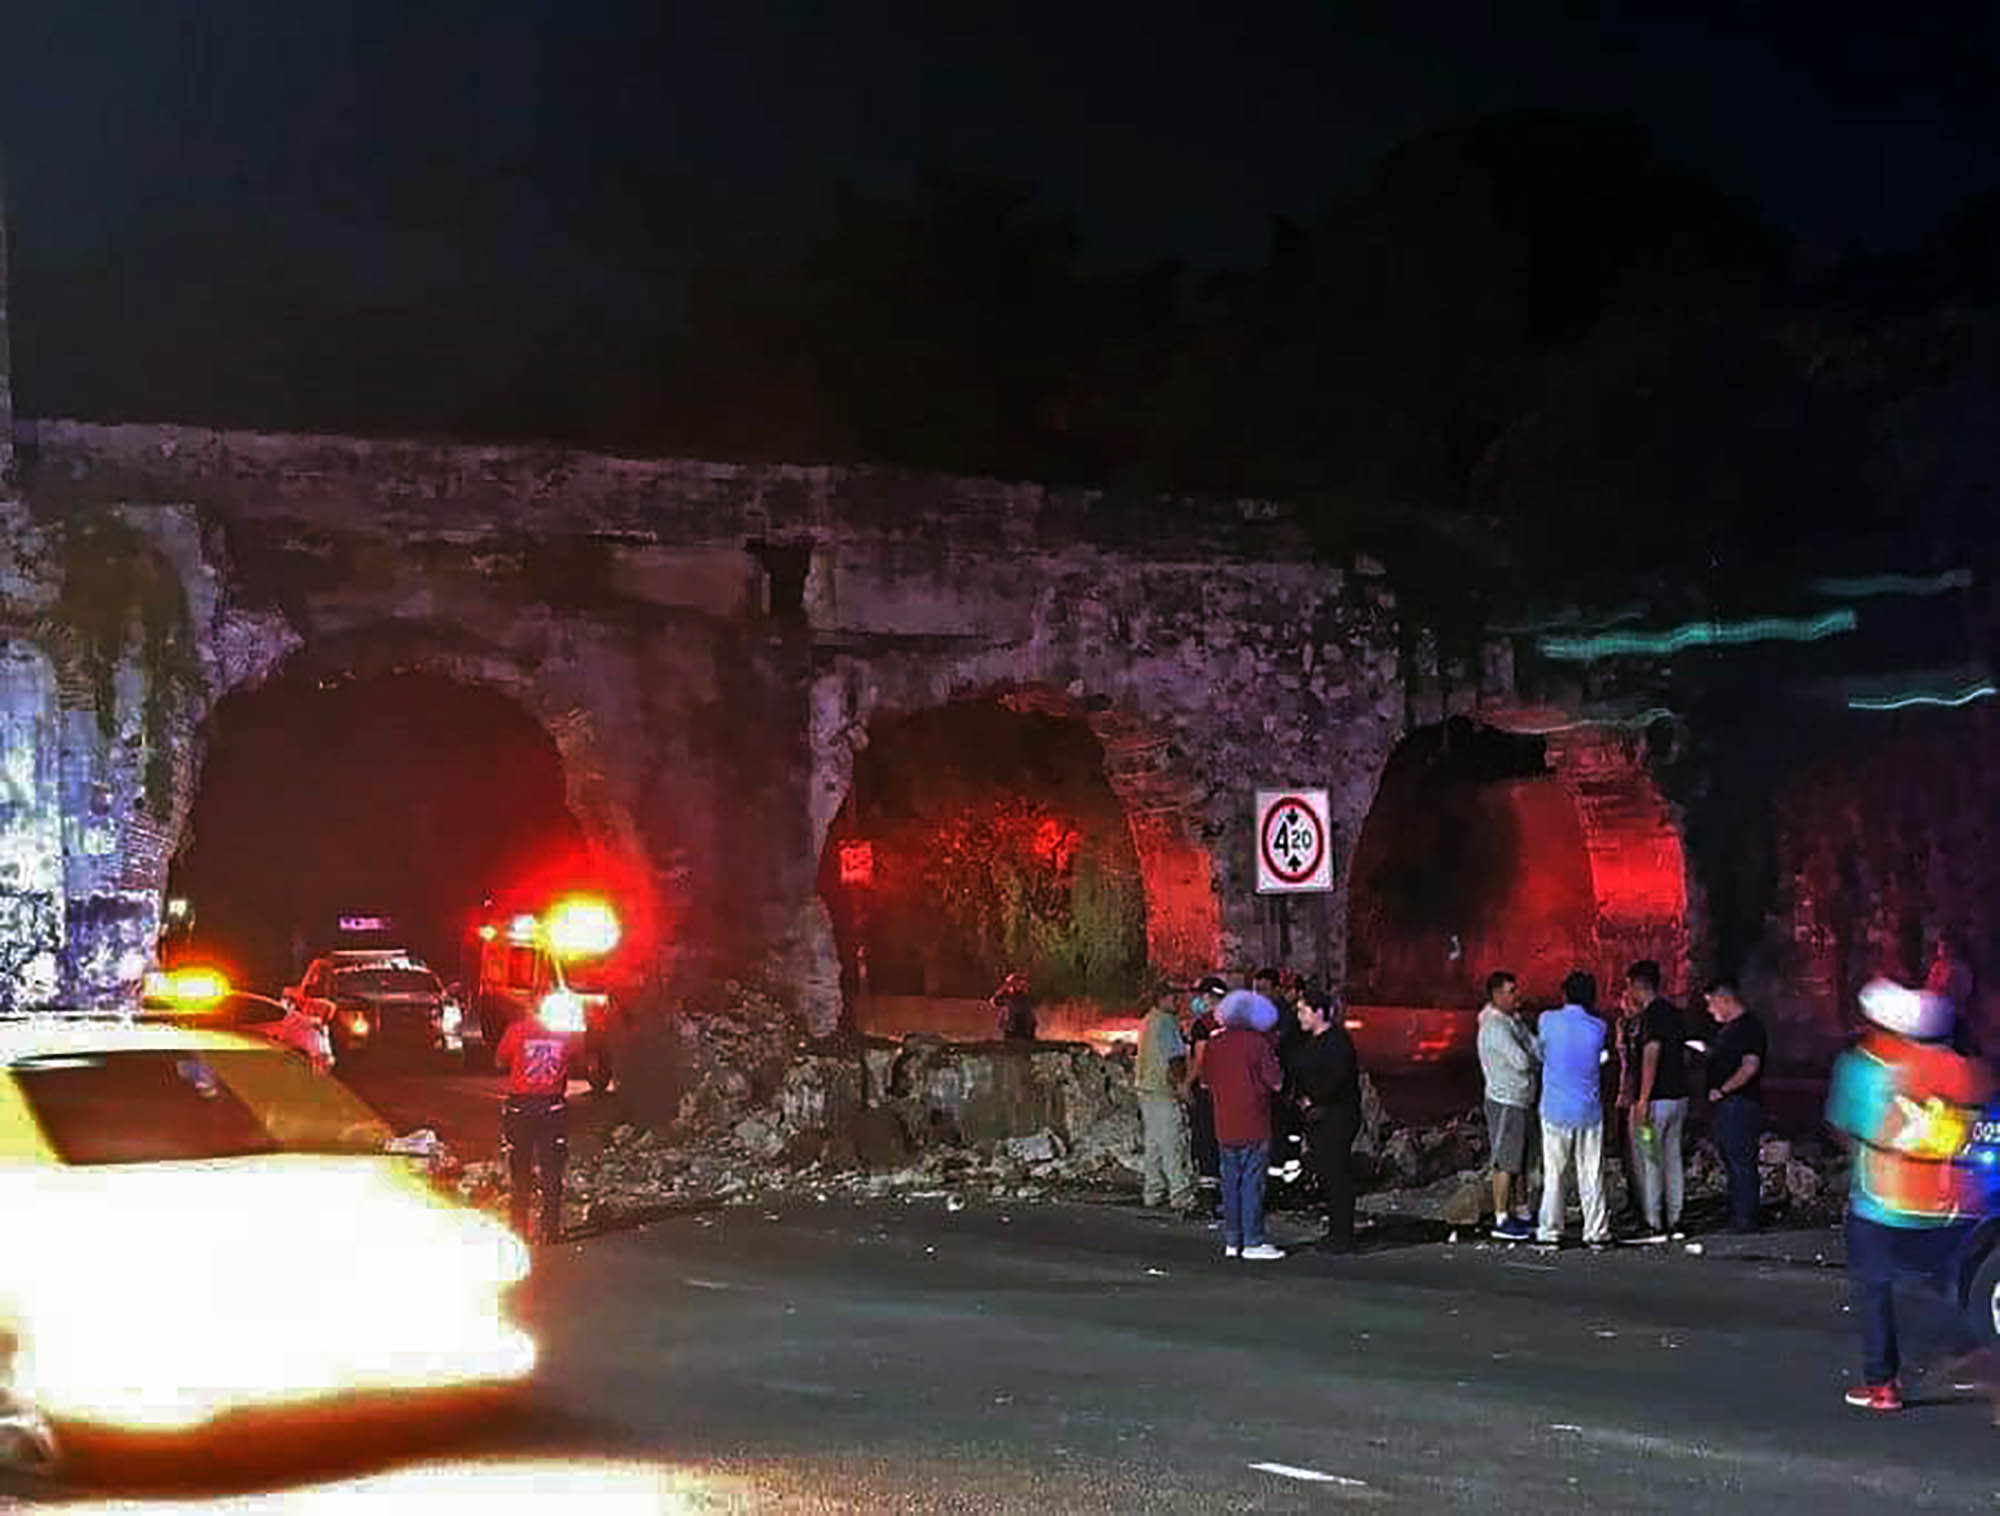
(1472, 859)
(403, 796)
(976, 841)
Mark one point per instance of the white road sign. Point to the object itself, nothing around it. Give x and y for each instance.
(1294, 842)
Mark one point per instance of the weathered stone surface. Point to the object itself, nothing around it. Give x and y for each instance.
(707, 731)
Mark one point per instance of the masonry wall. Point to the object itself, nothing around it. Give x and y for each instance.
(1879, 844)
(708, 642)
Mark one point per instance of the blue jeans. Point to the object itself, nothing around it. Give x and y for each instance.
(1244, 1165)
(1877, 1256)
(1739, 1122)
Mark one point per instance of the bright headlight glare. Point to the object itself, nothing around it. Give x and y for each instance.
(561, 1011)
(239, 1323)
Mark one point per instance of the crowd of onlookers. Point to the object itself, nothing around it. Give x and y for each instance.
(1548, 1098)
(1219, 1072)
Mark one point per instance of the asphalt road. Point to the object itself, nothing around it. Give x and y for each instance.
(1086, 1358)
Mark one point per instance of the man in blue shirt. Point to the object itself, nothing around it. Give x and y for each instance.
(1572, 1108)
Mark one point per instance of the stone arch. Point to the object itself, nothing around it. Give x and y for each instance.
(597, 790)
(1640, 879)
(1638, 861)
(1472, 857)
(1163, 805)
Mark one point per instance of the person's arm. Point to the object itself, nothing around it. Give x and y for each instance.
(1745, 1072)
(1180, 1075)
(1274, 1077)
(1649, 1070)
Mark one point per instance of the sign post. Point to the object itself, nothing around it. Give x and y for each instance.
(1295, 857)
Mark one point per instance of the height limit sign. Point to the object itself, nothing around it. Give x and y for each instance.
(1294, 843)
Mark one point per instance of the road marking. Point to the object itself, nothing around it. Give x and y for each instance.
(1309, 1476)
(708, 1284)
(1532, 1268)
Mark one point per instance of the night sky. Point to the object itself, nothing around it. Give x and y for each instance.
(584, 153)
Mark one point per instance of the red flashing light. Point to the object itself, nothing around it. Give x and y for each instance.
(857, 863)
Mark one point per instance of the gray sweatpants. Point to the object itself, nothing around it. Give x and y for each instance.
(1661, 1170)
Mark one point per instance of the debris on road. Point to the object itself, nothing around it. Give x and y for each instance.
(765, 1111)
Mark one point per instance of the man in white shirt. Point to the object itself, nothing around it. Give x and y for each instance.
(1508, 1060)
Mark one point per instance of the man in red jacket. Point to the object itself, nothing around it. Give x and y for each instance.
(536, 1055)
(1241, 1072)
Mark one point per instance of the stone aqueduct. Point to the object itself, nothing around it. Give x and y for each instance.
(708, 645)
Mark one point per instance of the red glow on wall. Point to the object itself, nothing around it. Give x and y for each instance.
(857, 863)
(1451, 882)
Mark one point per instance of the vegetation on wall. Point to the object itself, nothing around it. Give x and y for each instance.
(120, 594)
(994, 844)
(1017, 889)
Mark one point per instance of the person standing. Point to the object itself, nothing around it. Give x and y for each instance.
(1625, 1052)
(1509, 1067)
(1160, 1078)
(1658, 1114)
(1907, 1101)
(1242, 1075)
(536, 1057)
(1736, 1098)
(1016, 1008)
(1202, 1025)
(1325, 1076)
(1572, 1046)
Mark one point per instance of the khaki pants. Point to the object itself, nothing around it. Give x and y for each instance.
(1168, 1175)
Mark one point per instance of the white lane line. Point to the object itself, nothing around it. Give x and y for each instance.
(707, 1284)
(1309, 1476)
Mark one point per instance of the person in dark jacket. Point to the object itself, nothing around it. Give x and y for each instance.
(1202, 1025)
(1016, 1008)
(1325, 1079)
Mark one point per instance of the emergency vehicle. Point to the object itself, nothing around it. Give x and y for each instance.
(558, 960)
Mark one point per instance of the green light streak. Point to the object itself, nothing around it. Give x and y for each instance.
(1964, 696)
(1895, 584)
(1645, 718)
(1701, 634)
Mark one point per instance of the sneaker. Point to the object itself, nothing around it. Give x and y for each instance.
(1549, 1244)
(1263, 1252)
(1677, 1233)
(1512, 1229)
(1232, 1251)
(1876, 1397)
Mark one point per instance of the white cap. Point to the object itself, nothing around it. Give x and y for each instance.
(1904, 1011)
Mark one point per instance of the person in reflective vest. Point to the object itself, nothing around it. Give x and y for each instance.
(1907, 1102)
(536, 1055)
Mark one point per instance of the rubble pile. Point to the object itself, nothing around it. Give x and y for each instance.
(733, 1055)
(1809, 1182)
(765, 1112)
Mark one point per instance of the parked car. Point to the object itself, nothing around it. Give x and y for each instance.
(1981, 1286)
(201, 1228)
(381, 1003)
(289, 1025)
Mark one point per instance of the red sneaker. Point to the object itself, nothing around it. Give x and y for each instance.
(1876, 1397)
